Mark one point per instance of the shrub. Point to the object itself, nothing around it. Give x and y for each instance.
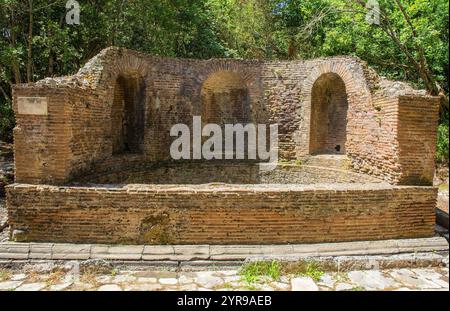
(442, 143)
(6, 120)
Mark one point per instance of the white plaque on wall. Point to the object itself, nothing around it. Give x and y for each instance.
(32, 105)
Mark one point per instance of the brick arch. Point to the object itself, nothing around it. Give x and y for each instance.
(339, 69)
(246, 73)
(358, 96)
(126, 64)
(225, 99)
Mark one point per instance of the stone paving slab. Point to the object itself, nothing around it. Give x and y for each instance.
(68, 278)
(40, 251)
(116, 252)
(60, 251)
(71, 251)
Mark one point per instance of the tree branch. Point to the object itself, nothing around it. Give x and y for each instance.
(5, 94)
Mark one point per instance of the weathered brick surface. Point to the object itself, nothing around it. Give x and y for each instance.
(329, 106)
(82, 128)
(417, 139)
(41, 144)
(204, 172)
(110, 123)
(220, 215)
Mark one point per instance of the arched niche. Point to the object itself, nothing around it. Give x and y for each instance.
(225, 99)
(329, 106)
(127, 114)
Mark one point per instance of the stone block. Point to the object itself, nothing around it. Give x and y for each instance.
(32, 105)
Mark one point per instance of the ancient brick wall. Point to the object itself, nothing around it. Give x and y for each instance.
(378, 156)
(220, 215)
(86, 123)
(417, 132)
(207, 172)
(41, 141)
(400, 145)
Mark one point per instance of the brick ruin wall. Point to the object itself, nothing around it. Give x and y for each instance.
(416, 134)
(214, 215)
(82, 128)
(201, 172)
(111, 121)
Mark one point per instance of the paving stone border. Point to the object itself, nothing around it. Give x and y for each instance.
(387, 253)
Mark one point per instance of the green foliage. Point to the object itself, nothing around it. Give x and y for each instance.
(315, 28)
(6, 120)
(4, 274)
(313, 271)
(251, 29)
(309, 268)
(442, 143)
(443, 187)
(253, 272)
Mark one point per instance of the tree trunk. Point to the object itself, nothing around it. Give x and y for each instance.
(30, 41)
(14, 63)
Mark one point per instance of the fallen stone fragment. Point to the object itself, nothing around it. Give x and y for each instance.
(31, 287)
(9, 285)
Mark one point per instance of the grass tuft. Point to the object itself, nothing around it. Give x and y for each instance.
(254, 271)
(4, 274)
(313, 270)
(308, 268)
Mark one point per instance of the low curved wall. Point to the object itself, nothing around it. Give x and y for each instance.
(205, 172)
(220, 214)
